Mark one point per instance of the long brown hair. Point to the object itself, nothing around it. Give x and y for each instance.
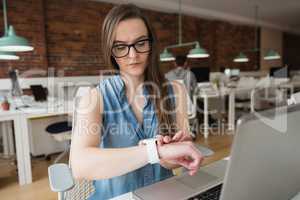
(163, 104)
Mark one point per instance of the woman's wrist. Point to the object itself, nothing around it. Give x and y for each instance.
(151, 150)
(143, 149)
(161, 151)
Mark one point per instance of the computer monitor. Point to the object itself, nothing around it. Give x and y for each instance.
(232, 72)
(39, 93)
(201, 73)
(279, 72)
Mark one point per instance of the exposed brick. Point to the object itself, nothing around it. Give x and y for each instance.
(27, 18)
(291, 49)
(66, 36)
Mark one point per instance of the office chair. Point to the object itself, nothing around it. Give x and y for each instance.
(267, 98)
(60, 174)
(216, 104)
(61, 132)
(243, 95)
(294, 99)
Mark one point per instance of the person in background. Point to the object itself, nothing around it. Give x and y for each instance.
(132, 129)
(16, 90)
(181, 72)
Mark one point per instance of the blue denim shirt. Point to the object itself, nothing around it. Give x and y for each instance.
(122, 129)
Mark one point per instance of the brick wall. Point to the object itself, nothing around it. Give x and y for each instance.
(27, 17)
(291, 49)
(73, 36)
(230, 39)
(66, 37)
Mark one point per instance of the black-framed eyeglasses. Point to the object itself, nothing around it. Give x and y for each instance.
(140, 46)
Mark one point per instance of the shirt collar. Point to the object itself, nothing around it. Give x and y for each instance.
(122, 94)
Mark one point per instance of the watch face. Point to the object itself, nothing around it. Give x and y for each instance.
(152, 153)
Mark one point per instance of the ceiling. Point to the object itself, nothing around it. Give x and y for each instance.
(278, 14)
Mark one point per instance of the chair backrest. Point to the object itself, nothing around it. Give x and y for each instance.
(294, 99)
(82, 188)
(266, 98)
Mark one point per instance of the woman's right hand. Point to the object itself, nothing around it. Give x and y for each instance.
(182, 153)
(180, 136)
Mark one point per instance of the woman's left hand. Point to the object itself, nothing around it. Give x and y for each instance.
(180, 136)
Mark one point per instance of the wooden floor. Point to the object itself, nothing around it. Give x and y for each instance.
(39, 189)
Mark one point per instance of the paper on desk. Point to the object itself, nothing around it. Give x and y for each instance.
(204, 150)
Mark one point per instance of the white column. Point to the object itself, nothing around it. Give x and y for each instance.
(206, 125)
(231, 110)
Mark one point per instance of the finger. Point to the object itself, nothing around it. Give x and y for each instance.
(192, 172)
(184, 163)
(166, 139)
(195, 156)
(186, 137)
(159, 140)
(177, 136)
(196, 161)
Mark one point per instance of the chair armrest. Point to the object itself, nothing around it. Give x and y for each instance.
(60, 177)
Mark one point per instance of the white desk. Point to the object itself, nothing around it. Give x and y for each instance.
(20, 122)
(215, 167)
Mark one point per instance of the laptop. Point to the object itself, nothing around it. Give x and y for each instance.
(264, 164)
(39, 92)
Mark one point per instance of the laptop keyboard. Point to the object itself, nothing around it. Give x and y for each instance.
(211, 194)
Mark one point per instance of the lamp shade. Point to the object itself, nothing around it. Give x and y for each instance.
(241, 58)
(11, 42)
(272, 55)
(166, 56)
(198, 52)
(8, 56)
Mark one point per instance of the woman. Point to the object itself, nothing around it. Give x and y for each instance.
(111, 142)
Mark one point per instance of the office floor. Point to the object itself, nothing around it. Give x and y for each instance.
(39, 189)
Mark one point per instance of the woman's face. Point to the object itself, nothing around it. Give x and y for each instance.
(131, 32)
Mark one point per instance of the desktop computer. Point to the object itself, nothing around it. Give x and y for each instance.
(201, 73)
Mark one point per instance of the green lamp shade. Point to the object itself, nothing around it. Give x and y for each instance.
(8, 56)
(272, 55)
(11, 42)
(198, 52)
(241, 58)
(166, 56)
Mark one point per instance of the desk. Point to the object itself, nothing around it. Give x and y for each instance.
(20, 123)
(220, 144)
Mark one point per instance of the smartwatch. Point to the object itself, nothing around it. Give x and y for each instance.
(152, 153)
